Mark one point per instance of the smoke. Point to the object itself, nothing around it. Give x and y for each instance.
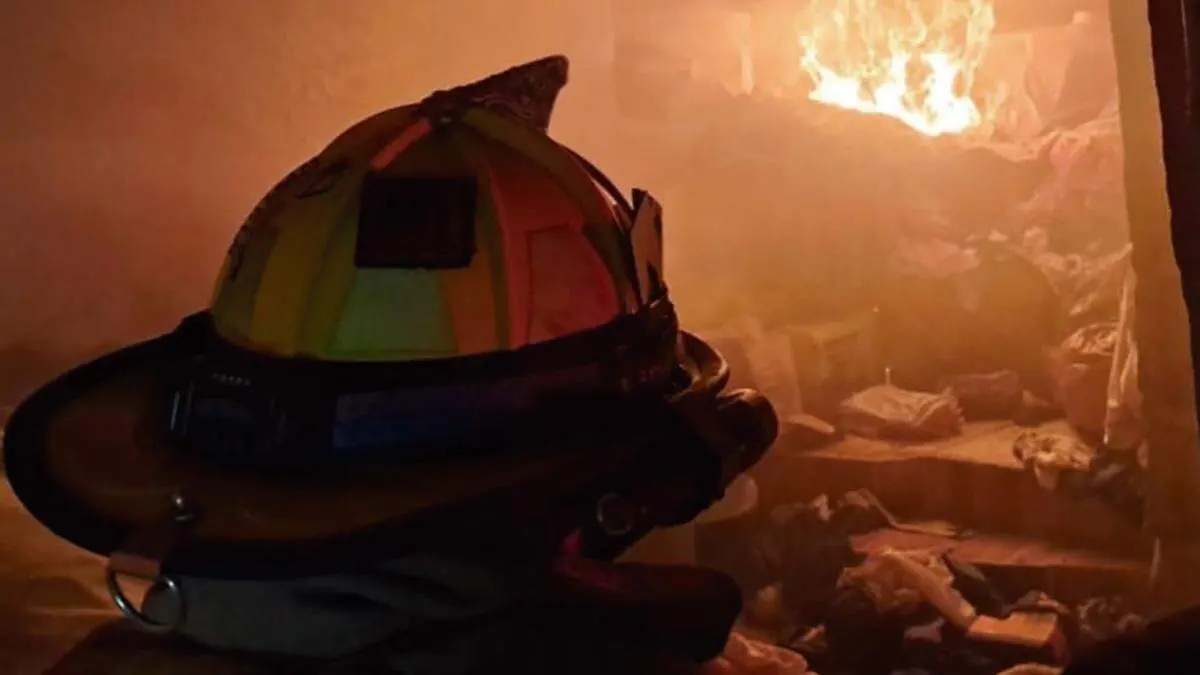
(136, 134)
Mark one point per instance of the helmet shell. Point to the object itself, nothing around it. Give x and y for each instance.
(321, 270)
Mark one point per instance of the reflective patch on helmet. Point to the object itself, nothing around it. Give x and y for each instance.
(411, 134)
(401, 420)
(416, 223)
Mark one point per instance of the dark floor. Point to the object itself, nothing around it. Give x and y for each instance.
(51, 594)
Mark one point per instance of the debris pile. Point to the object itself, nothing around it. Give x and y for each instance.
(893, 611)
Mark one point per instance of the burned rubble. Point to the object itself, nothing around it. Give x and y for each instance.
(995, 285)
(812, 586)
(901, 287)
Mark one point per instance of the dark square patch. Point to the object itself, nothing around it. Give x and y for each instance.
(416, 223)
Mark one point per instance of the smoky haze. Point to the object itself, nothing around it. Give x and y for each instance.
(136, 134)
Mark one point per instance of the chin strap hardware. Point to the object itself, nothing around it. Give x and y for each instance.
(140, 559)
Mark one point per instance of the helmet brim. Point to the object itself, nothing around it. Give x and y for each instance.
(89, 455)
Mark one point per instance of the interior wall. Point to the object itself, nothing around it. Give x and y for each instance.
(1163, 332)
(136, 134)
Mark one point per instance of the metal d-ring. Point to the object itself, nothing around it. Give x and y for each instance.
(616, 514)
(141, 558)
(139, 618)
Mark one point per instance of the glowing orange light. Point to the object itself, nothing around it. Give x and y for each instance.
(914, 60)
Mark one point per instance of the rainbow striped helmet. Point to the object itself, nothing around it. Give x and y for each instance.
(443, 309)
(424, 235)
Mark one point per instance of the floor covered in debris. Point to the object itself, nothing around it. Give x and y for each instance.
(973, 479)
(965, 510)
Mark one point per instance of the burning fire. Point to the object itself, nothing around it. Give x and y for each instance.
(914, 60)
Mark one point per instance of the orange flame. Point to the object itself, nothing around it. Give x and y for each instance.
(914, 60)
